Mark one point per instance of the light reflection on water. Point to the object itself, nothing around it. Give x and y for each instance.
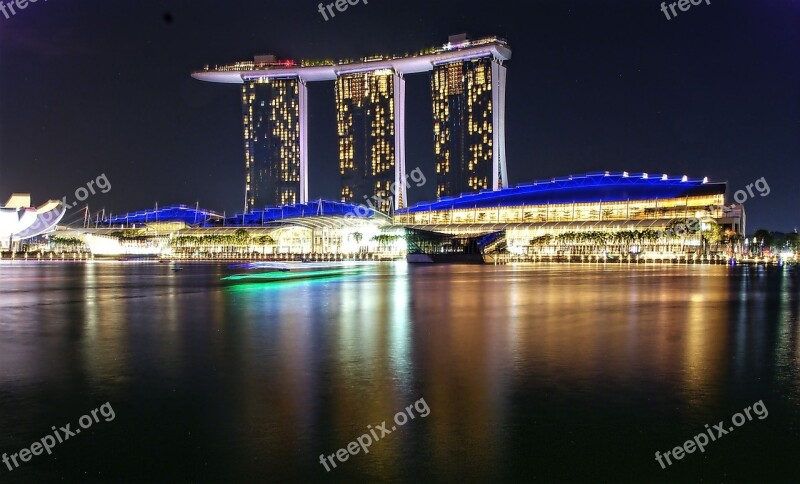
(529, 371)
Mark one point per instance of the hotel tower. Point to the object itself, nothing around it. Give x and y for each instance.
(468, 104)
(274, 143)
(366, 121)
(468, 79)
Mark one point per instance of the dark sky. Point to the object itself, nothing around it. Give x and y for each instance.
(92, 87)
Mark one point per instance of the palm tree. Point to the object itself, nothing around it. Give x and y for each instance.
(241, 237)
(566, 238)
(542, 240)
(265, 240)
(61, 242)
(385, 240)
(629, 236)
(650, 235)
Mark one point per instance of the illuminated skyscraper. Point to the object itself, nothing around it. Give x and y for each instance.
(274, 142)
(469, 131)
(468, 83)
(366, 120)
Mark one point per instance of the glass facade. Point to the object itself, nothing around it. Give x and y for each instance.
(654, 209)
(271, 118)
(463, 126)
(652, 227)
(365, 121)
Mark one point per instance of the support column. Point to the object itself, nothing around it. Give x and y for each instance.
(303, 122)
(401, 193)
(499, 171)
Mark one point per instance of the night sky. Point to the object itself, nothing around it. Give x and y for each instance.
(92, 87)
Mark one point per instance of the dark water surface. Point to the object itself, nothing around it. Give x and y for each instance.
(546, 373)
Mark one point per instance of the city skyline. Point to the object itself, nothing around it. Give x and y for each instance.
(363, 241)
(641, 96)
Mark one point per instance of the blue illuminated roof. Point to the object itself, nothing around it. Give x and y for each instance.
(273, 215)
(173, 213)
(588, 188)
(319, 208)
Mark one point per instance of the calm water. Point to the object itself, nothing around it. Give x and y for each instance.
(547, 373)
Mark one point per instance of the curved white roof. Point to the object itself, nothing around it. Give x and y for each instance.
(23, 223)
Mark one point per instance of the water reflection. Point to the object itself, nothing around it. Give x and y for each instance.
(261, 379)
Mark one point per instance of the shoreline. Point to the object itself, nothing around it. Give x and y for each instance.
(576, 260)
